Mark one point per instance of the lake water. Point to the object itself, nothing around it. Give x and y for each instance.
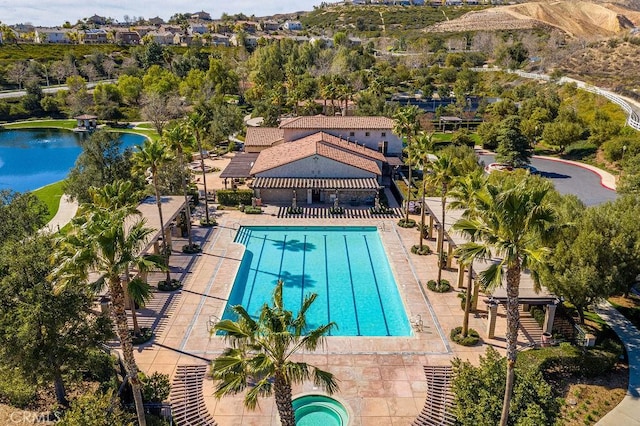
(33, 158)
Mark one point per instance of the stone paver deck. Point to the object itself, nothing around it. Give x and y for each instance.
(381, 379)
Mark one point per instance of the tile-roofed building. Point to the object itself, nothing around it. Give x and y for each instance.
(259, 138)
(374, 132)
(309, 149)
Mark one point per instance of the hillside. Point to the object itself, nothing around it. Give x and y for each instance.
(580, 19)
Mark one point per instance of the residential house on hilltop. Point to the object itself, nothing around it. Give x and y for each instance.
(97, 20)
(292, 26)
(269, 25)
(198, 29)
(320, 158)
(202, 15)
(127, 37)
(51, 35)
(157, 21)
(95, 36)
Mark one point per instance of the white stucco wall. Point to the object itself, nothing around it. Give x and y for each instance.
(360, 136)
(317, 167)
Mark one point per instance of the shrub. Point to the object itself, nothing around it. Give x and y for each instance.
(15, 389)
(145, 335)
(471, 339)
(252, 210)
(402, 223)
(421, 251)
(294, 210)
(204, 223)
(442, 287)
(191, 249)
(171, 286)
(155, 388)
(381, 210)
(538, 314)
(336, 210)
(234, 198)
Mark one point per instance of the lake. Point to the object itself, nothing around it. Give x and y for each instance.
(33, 158)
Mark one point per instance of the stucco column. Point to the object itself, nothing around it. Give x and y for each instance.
(460, 273)
(156, 247)
(430, 227)
(449, 254)
(549, 317)
(476, 293)
(439, 243)
(167, 235)
(492, 308)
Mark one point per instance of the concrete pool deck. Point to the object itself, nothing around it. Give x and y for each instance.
(381, 379)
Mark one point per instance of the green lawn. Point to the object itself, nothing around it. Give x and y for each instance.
(150, 133)
(49, 124)
(50, 194)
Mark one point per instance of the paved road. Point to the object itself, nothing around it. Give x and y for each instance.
(570, 179)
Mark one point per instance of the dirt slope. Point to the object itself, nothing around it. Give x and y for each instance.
(581, 19)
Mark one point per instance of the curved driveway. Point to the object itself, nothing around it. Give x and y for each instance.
(569, 179)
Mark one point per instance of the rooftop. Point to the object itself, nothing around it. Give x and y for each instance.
(336, 122)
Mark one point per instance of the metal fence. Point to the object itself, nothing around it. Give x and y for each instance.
(633, 120)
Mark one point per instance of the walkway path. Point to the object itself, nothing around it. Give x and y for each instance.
(628, 411)
(606, 179)
(66, 211)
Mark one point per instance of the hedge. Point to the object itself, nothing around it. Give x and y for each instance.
(229, 197)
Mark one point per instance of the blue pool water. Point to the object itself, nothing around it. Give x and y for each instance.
(346, 266)
(33, 158)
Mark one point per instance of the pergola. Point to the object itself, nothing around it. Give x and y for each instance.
(172, 205)
(528, 295)
(239, 167)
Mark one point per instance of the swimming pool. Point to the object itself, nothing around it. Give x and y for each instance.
(346, 266)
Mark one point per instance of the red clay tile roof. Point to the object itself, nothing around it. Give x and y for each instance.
(346, 145)
(289, 152)
(263, 136)
(337, 122)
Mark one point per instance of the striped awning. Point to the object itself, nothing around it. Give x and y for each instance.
(310, 183)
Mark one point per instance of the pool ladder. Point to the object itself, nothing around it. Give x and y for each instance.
(382, 227)
(418, 324)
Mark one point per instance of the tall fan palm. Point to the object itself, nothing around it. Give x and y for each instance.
(406, 126)
(261, 351)
(98, 243)
(469, 193)
(176, 138)
(139, 293)
(197, 124)
(423, 148)
(514, 228)
(443, 171)
(149, 157)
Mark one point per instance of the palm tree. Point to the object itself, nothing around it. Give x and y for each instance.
(514, 228)
(443, 171)
(423, 149)
(469, 193)
(198, 123)
(406, 126)
(151, 156)
(261, 351)
(98, 243)
(139, 293)
(176, 137)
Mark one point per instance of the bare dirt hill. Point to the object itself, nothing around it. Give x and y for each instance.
(580, 19)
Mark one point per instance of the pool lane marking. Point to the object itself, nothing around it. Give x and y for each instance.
(255, 274)
(326, 278)
(284, 248)
(375, 280)
(353, 291)
(304, 256)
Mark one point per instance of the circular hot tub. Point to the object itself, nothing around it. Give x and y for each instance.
(319, 410)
